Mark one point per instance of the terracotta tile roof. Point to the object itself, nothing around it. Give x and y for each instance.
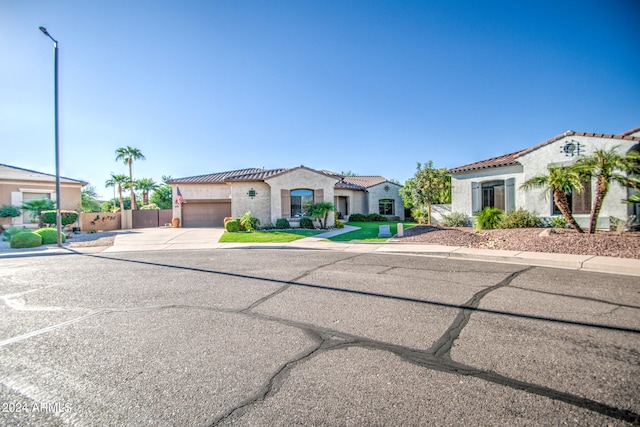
(365, 181)
(511, 158)
(259, 175)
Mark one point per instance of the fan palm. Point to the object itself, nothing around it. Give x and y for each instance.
(560, 180)
(128, 155)
(118, 181)
(146, 185)
(608, 166)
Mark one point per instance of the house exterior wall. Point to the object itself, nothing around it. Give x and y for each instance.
(299, 178)
(198, 192)
(259, 205)
(537, 162)
(357, 200)
(385, 190)
(12, 192)
(461, 184)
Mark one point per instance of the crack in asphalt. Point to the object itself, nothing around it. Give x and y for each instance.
(442, 347)
(580, 297)
(436, 358)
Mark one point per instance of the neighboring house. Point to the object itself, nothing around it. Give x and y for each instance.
(18, 185)
(496, 182)
(281, 193)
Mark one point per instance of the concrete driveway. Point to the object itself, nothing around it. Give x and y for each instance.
(166, 238)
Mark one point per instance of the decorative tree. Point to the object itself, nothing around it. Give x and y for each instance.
(560, 180)
(321, 211)
(608, 166)
(128, 155)
(118, 181)
(146, 185)
(430, 185)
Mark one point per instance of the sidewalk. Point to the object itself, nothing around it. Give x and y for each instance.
(159, 239)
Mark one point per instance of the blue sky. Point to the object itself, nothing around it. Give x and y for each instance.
(365, 86)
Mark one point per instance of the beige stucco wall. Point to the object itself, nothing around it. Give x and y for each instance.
(199, 192)
(260, 205)
(300, 178)
(461, 186)
(11, 193)
(357, 200)
(385, 190)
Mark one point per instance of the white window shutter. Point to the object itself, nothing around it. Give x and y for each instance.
(476, 197)
(510, 195)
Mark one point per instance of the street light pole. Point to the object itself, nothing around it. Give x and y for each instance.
(57, 134)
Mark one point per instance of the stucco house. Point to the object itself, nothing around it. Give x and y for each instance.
(496, 182)
(280, 193)
(18, 185)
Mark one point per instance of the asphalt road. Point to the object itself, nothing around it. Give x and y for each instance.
(306, 337)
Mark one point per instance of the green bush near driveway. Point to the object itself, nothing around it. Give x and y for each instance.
(232, 226)
(50, 235)
(25, 239)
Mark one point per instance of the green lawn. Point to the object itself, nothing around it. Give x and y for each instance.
(368, 231)
(268, 236)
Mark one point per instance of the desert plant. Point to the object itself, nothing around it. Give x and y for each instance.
(150, 207)
(320, 211)
(34, 207)
(455, 219)
(520, 218)
(249, 222)
(25, 240)
(357, 217)
(282, 224)
(50, 235)
(560, 180)
(420, 215)
(559, 222)
(66, 217)
(232, 226)
(489, 218)
(128, 155)
(306, 222)
(10, 211)
(338, 224)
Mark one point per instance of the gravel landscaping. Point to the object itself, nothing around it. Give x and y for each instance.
(566, 241)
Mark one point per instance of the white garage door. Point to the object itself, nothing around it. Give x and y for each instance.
(205, 214)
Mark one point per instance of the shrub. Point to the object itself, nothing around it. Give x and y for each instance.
(9, 211)
(268, 226)
(357, 218)
(338, 224)
(559, 222)
(306, 222)
(520, 218)
(421, 215)
(7, 234)
(489, 218)
(92, 231)
(26, 239)
(455, 219)
(232, 226)
(150, 207)
(375, 217)
(249, 222)
(282, 224)
(50, 235)
(66, 217)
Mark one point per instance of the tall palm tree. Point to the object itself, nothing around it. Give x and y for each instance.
(146, 185)
(560, 180)
(128, 155)
(608, 166)
(118, 181)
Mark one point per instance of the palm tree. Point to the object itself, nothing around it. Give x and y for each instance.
(146, 185)
(608, 166)
(119, 181)
(321, 211)
(560, 180)
(128, 155)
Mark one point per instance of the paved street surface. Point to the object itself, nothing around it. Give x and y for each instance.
(313, 337)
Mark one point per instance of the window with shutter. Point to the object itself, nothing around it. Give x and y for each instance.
(285, 203)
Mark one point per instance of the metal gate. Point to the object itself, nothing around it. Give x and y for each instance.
(151, 218)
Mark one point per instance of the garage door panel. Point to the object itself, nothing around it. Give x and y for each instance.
(205, 214)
